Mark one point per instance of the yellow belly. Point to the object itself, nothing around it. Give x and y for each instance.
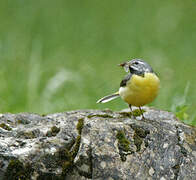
(140, 90)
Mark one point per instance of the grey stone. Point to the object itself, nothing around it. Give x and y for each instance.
(95, 144)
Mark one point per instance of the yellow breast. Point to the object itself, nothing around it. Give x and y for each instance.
(140, 90)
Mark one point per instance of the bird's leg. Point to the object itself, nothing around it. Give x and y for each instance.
(131, 109)
(141, 112)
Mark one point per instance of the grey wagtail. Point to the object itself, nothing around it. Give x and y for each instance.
(139, 87)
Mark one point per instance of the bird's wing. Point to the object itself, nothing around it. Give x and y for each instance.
(125, 80)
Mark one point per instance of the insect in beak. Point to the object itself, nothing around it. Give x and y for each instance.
(122, 64)
(125, 65)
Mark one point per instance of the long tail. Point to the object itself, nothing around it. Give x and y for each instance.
(108, 98)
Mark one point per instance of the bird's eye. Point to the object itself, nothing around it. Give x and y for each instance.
(136, 63)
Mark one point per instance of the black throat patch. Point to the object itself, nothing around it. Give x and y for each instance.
(139, 73)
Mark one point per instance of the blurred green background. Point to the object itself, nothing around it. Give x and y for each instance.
(62, 55)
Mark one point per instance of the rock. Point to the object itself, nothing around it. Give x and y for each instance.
(93, 144)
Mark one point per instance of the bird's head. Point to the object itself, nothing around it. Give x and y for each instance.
(137, 66)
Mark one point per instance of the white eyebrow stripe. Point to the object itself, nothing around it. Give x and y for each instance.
(133, 67)
(140, 62)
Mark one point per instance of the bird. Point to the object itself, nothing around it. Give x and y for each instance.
(139, 87)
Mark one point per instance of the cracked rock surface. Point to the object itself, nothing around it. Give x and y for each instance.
(95, 144)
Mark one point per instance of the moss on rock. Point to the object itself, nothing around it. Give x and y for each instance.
(123, 145)
(80, 125)
(100, 115)
(53, 131)
(65, 160)
(137, 141)
(123, 141)
(139, 136)
(5, 126)
(26, 134)
(16, 170)
(68, 155)
(137, 112)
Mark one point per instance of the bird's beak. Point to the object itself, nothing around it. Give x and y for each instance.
(125, 65)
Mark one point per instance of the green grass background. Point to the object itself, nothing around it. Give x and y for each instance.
(62, 55)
